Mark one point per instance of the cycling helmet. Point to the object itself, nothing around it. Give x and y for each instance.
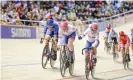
(121, 33)
(94, 26)
(48, 16)
(63, 25)
(50, 22)
(108, 27)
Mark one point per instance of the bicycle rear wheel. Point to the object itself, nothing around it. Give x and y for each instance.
(45, 58)
(71, 67)
(126, 62)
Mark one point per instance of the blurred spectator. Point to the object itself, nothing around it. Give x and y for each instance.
(15, 11)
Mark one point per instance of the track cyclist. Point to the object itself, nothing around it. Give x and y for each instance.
(113, 36)
(92, 40)
(124, 41)
(107, 31)
(132, 40)
(67, 34)
(51, 31)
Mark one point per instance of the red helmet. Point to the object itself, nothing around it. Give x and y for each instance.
(94, 26)
(63, 24)
(48, 16)
(121, 33)
(108, 27)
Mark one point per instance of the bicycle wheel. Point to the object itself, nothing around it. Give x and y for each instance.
(71, 67)
(63, 60)
(93, 68)
(126, 62)
(87, 67)
(45, 58)
(114, 54)
(52, 62)
(114, 57)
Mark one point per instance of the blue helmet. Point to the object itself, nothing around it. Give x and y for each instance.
(50, 22)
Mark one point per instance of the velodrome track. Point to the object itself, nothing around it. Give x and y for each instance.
(21, 60)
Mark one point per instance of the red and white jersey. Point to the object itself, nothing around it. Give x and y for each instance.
(71, 29)
(91, 37)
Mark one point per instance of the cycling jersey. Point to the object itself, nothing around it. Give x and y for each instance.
(91, 36)
(113, 36)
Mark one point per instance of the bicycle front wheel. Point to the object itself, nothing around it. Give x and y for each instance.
(52, 62)
(63, 60)
(87, 67)
(45, 58)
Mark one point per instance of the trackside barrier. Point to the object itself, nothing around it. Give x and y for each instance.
(17, 32)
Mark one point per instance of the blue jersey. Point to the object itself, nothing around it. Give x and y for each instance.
(53, 31)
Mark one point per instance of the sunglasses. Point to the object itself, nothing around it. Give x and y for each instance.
(65, 29)
(49, 27)
(94, 29)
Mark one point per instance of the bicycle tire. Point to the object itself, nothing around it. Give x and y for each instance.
(63, 62)
(87, 69)
(44, 63)
(52, 62)
(71, 67)
(93, 69)
(126, 62)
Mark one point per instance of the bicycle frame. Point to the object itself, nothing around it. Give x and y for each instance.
(90, 54)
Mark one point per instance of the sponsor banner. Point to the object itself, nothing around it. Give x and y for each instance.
(15, 32)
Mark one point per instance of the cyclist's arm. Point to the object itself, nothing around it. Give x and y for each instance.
(97, 36)
(59, 37)
(128, 39)
(56, 29)
(86, 32)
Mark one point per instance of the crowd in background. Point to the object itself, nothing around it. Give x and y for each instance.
(13, 12)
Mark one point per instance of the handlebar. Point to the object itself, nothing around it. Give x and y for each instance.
(86, 48)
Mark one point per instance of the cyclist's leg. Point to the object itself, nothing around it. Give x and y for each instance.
(71, 39)
(55, 49)
(55, 43)
(88, 45)
(106, 40)
(121, 47)
(47, 38)
(127, 51)
(116, 47)
(96, 44)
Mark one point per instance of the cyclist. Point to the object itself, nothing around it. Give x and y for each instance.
(107, 31)
(113, 36)
(124, 41)
(67, 34)
(51, 31)
(92, 40)
(132, 40)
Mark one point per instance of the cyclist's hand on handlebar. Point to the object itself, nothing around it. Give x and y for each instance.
(79, 37)
(41, 41)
